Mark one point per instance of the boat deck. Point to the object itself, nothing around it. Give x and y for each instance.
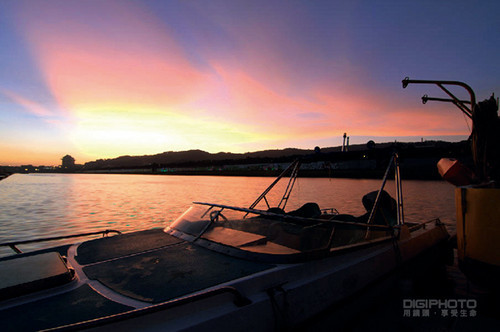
(167, 273)
(148, 267)
(80, 304)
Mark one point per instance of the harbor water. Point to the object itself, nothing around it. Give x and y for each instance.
(48, 205)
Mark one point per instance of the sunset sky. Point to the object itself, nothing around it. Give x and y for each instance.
(101, 79)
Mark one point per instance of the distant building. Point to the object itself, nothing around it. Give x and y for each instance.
(68, 162)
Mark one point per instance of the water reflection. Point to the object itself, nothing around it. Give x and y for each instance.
(44, 205)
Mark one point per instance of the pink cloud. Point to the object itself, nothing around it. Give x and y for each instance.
(126, 56)
(370, 114)
(29, 105)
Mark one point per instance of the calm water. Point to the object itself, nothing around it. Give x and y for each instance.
(44, 205)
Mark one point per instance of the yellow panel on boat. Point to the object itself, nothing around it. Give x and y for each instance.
(478, 224)
(233, 237)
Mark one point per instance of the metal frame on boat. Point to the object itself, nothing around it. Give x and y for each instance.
(266, 270)
(478, 192)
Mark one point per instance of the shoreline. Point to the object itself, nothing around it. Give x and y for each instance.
(326, 174)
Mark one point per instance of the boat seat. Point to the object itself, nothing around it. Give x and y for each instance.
(386, 213)
(27, 274)
(308, 210)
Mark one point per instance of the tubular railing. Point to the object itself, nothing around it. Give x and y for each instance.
(13, 245)
(295, 168)
(399, 191)
(286, 217)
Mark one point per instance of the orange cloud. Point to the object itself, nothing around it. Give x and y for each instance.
(21, 155)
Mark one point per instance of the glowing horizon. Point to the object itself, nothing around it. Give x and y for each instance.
(99, 80)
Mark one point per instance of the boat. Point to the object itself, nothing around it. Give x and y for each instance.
(218, 267)
(477, 192)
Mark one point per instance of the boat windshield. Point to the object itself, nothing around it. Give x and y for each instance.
(265, 231)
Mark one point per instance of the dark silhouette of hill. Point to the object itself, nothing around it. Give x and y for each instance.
(417, 160)
(420, 150)
(192, 156)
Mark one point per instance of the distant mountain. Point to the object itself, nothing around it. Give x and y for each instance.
(199, 157)
(191, 156)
